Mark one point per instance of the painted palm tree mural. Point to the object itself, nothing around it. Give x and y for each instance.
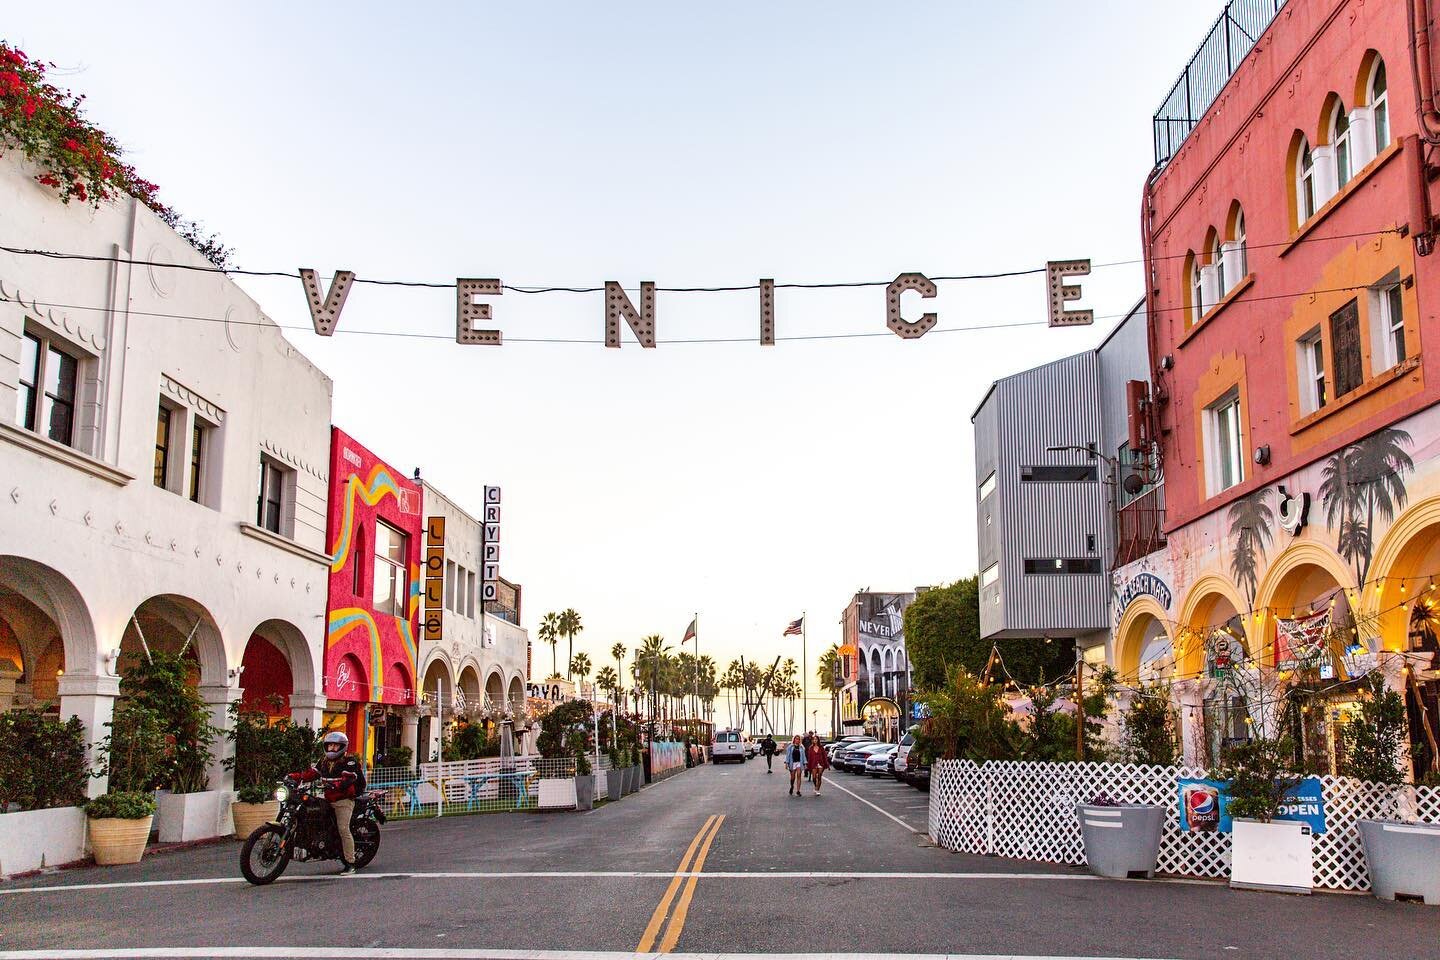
(1252, 522)
(1363, 482)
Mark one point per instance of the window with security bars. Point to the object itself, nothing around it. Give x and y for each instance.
(1345, 354)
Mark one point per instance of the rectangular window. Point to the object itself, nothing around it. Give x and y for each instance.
(1387, 323)
(1345, 348)
(162, 447)
(1310, 362)
(450, 585)
(1080, 473)
(1226, 444)
(987, 486)
(27, 403)
(199, 450)
(1060, 565)
(271, 511)
(389, 570)
(470, 594)
(990, 575)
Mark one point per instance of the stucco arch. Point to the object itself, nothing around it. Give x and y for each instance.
(1130, 634)
(1360, 96)
(55, 596)
(1275, 596)
(182, 615)
(1199, 616)
(289, 640)
(1408, 549)
(516, 697)
(495, 687)
(437, 667)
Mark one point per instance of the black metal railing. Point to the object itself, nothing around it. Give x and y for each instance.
(1140, 526)
(1224, 47)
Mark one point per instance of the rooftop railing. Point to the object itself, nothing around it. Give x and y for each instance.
(1230, 38)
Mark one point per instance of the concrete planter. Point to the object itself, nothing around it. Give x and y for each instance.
(119, 841)
(1404, 859)
(585, 792)
(1121, 841)
(634, 777)
(556, 793)
(181, 817)
(1271, 856)
(249, 817)
(41, 838)
(614, 784)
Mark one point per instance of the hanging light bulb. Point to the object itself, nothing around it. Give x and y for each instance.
(1378, 584)
(1402, 588)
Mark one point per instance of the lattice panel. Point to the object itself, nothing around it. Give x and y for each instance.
(1027, 811)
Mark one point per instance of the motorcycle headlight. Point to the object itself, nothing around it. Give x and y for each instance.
(282, 793)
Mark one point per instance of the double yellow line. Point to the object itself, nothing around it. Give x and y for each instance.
(702, 842)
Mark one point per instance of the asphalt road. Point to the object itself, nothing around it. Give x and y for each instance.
(716, 860)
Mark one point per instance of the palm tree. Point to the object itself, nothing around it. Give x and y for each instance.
(618, 652)
(826, 670)
(570, 625)
(708, 687)
(649, 666)
(609, 681)
(550, 633)
(580, 666)
(1251, 523)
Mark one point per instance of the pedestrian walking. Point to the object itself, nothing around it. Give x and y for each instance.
(817, 761)
(768, 747)
(795, 763)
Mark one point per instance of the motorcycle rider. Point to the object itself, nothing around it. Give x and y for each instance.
(343, 776)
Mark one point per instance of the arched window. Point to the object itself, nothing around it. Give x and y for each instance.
(1237, 237)
(1339, 133)
(1379, 104)
(1195, 288)
(1304, 182)
(1217, 261)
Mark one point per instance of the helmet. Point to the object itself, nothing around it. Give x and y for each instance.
(335, 743)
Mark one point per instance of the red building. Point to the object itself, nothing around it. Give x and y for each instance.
(374, 532)
(1288, 229)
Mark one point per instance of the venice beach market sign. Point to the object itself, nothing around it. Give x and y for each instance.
(470, 309)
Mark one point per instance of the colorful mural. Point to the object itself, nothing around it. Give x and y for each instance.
(374, 591)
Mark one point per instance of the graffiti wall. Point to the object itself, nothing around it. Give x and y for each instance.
(374, 533)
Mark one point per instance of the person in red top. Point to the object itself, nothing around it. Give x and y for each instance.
(816, 761)
(342, 775)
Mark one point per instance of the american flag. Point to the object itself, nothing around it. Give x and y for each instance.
(795, 629)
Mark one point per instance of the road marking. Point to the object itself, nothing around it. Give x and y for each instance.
(432, 953)
(652, 929)
(601, 875)
(877, 809)
(677, 921)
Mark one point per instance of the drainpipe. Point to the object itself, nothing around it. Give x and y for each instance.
(1421, 71)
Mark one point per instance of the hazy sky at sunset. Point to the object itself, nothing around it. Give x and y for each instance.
(571, 143)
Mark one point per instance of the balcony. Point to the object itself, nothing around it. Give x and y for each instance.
(1224, 48)
(1140, 526)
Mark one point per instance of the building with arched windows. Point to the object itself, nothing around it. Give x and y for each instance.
(1288, 238)
(874, 697)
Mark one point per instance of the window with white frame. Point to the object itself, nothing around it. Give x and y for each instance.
(990, 575)
(1227, 457)
(987, 486)
(1242, 262)
(1387, 323)
(389, 595)
(202, 435)
(1379, 105)
(470, 594)
(1310, 362)
(49, 380)
(1304, 181)
(1340, 142)
(277, 492)
(1197, 291)
(1217, 263)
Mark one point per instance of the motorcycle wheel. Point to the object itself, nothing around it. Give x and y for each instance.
(264, 856)
(367, 842)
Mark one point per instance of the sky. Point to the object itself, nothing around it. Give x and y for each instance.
(571, 143)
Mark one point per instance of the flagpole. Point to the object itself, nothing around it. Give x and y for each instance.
(803, 627)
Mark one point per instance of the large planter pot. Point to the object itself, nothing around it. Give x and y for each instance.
(250, 817)
(41, 838)
(637, 778)
(119, 841)
(1404, 859)
(182, 817)
(614, 784)
(585, 792)
(1271, 856)
(556, 793)
(1121, 841)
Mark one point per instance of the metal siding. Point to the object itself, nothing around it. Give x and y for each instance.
(987, 538)
(1124, 356)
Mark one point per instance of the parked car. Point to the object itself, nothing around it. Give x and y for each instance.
(853, 759)
(853, 740)
(752, 748)
(918, 776)
(881, 763)
(902, 755)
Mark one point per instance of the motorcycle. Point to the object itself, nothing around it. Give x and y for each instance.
(304, 829)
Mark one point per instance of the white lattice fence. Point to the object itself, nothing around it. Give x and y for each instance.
(1027, 811)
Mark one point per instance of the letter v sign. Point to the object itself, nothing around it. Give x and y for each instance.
(325, 315)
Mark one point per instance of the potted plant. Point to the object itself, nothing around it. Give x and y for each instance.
(120, 826)
(133, 751)
(1265, 853)
(615, 776)
(258, 762)
(1403, 855)
(1121, 839)
(584, 781)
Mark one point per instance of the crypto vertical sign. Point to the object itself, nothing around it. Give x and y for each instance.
(434, 578)
(490, 547)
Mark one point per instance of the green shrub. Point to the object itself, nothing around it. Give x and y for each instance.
(1150, 733)
(1374, 738)
(134, 752)
(578, 743)
(468, 741)
(254, 794)
(967, 721)
(42, 761)
(556, 725)
(1260, 774)
(402, 757)
(161, 682)
(266, 751)
(124, 805)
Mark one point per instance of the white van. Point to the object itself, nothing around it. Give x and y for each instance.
(730, 745)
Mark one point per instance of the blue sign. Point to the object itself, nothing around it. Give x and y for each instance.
(1305, 802)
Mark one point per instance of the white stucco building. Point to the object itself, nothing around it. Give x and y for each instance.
(479, 664)
(160, 475)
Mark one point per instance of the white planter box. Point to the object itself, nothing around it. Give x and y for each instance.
(181, 817)
(557, 793)
(1271, 856)
(41, 838)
